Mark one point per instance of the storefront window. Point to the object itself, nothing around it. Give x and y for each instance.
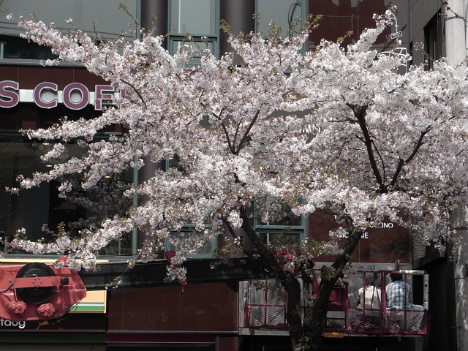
(197, 17)
(41, 211)
(190, 238)
(197, 46)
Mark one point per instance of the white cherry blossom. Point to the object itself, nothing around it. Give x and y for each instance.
(337, 128)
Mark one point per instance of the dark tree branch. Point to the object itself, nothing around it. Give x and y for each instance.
(402, 162)
(228, 139)
(360, 114)
(381, 159)
(247, 131)
(135, 90)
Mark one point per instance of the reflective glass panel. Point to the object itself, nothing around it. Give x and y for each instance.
(197, 17)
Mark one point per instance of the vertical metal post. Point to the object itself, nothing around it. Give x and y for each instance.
(135, 204)
(426, 292)
(405, 305)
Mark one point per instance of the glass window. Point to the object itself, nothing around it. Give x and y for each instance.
(14, 47)
(41, 210)
(284, 13)
(105, 17)
(191, 239)
(269, 212)
(276, 224)
(196, 17)
(290, 238)
(194, 23)
(196, 48)
(433, 39)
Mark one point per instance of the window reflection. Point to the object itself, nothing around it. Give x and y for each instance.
(190, 239)
(194, 17)
(270, 212)
(194, 23)
(286, 14)
(105, 17)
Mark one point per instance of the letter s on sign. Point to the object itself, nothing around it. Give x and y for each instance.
(8, 96)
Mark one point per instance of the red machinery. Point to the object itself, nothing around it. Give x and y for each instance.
(37, 291)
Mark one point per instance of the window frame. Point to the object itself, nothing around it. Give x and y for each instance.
(177, 37)
(188, 228)
(268, 229)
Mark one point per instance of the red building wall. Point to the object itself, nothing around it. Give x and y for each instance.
(387, 243)
(193, 314)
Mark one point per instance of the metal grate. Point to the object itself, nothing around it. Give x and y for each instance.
(265, 316)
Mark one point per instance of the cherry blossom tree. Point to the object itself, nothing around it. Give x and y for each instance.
(388, 144)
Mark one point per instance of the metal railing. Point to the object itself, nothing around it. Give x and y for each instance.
(342, 318)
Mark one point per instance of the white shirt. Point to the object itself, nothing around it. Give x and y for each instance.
(372, 297)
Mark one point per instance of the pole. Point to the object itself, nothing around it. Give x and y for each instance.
(455, 37)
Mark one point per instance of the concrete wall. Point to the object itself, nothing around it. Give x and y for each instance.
(450, 274)
(456, 45)
(461, 278)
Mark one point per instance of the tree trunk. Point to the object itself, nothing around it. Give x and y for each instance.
(316, 319)
(287, 280)
(305, 335)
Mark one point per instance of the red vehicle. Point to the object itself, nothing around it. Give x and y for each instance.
(37, 291)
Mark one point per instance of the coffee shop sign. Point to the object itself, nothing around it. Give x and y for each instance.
(74, 96)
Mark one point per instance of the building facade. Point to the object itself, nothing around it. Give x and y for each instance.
(440, 26)
(206, 316)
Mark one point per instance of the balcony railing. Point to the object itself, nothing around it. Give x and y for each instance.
(264, 311)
